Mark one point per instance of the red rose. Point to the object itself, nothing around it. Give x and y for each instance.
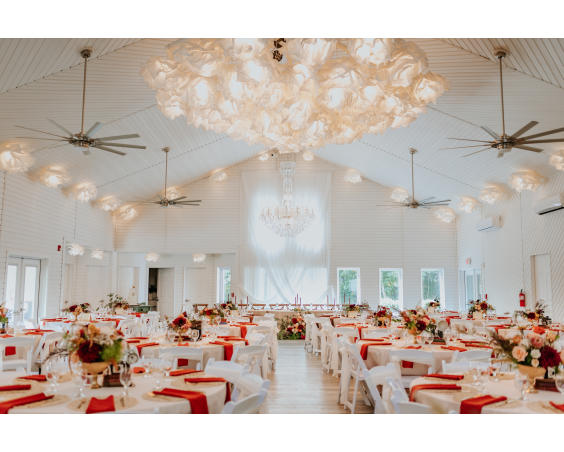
(484, 306)
(549, 357)
(531, 315)
(420, 325)
(89, 353)
(294, 320)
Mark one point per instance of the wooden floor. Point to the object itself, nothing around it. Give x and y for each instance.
(299, 385)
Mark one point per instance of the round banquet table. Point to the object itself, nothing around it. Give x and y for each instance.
(65, 401)
(443, 401)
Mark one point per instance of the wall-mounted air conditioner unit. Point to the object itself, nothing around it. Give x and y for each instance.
(550, 204)
(489, 224)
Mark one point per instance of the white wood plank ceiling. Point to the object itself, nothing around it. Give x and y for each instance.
(41, 78)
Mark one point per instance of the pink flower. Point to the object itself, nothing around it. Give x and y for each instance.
(516, 339)
(519, 353)
(537, 340)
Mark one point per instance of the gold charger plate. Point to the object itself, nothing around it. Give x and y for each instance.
(80, 405)
(55, 400)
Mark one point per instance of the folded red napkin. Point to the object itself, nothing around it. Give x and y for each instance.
(133, 341)
(39, 330)
(7, 405)
(453, 348)
(101, 405)
(446, 376)
(198, 400)
(8, 351)
(212, 380)
(412, 347)
(140, 347)
(176, 373)
(227, 349)
(233, 338)
(478, 345)
(558, 406)
(416, 388)
(15, 388)
(364, 348)
(34, 333)
(139, 370)
(140, 338)
(474, 405)
(33, 377)
(377, 339)
(409, 364)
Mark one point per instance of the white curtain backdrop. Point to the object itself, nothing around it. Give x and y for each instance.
(274, 268)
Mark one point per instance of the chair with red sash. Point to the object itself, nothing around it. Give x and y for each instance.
(413, 356)
(175, 353)
(23, 346)
(358, 372)
(400, 401)
(226, 369)
(251, 356)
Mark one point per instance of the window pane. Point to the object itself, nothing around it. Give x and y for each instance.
(431, 285)
(390, 288)
(11, 278)
(30, 292)
(349, 283)
(469, 287)
(226, 283)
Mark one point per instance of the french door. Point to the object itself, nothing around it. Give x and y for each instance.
(22, 286)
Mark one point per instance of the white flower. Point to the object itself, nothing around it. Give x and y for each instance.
(535, 353)
(535, 363)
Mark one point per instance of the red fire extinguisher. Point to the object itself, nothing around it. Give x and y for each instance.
(522, 299)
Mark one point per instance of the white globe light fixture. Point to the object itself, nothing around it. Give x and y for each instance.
(152, 257)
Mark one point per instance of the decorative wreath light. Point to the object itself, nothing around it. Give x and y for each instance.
(526, 180)
(308, 156)
(75, 249)
(152, 257)
(492, 193)
(198, 258)
(399, 194)
(353, 176)
(263, 157)
(445, 214)
(294, 94)
(219, 176)
(97, 254)
(14, 158)
(85, 191)
(109, 203)
(557, 160)
(172, 193)
(468, 204)
(127, 212)
(53, 176)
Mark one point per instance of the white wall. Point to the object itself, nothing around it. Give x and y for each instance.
(35, 220)
(363, 234)
(506, 253)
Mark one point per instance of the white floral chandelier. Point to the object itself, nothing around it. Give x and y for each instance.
(287, 220)
(294, 94)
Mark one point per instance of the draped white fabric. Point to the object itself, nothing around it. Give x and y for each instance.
(274, 268)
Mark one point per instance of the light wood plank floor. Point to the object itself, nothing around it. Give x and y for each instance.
(299, 385)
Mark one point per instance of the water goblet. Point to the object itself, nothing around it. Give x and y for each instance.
(125, 378)
(559, 382)
(194, 335)
(79, 378)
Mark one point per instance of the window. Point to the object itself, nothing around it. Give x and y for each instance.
(391, 287)
(223, 284)
(432, 285)
(348, 285)
(470, 286)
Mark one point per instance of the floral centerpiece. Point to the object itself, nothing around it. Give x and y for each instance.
(3, 318)
(532, 351)
(479, 309)
(180, 325)
(229, 306)
(77, 309)
(212, 313)
(114, 302)
(417, 320)
(291, 328)
(536, 315)
(383, 315)
(432, 306)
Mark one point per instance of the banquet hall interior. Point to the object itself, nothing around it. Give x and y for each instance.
(282, 225)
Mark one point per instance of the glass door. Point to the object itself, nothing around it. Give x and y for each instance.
(22, 287)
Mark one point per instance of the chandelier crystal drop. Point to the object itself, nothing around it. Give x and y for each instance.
(14, 158)
(468, 204)
(399, 194)
(97, 254)
(53, 176)
(152, 257)
(198, 258)
(557, 160)
(445, 214)
(75, 249)
(287, 220)
(526, 180)
(295, 94)
(85, 191)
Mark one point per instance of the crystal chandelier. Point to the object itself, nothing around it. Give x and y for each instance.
(287, 220)
(14, 158)
(445, 214)
(557, 160)
(109, 203)
(297, 93)
(53, 176)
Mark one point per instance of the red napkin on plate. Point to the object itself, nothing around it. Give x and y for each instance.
(33, 377)
(453, 348)
(140, 347)
(15, 388)
(227, 349)
(101, 405)
(141, 338)
(416, 388)
(139, 370)
(474, 405)
(7, 405)
(212, 380)
(177, 372)
(558, 406)
(198, 400)
(446, 376)
(34, 333)
(133, 341)
(233, 338)
(364, 348)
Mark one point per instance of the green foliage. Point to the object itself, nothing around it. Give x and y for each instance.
(348, 285)
(112, 353)
(431, 284)
(390, 285)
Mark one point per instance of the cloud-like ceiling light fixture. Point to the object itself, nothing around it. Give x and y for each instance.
(97, 254)
(263, 157)
(308, 156)
(172, 193)
(198, 258)
(109, 203)
(526, 180)
(557, 160)
(75, 249)
(53, 176)
(152, 257)
(399, 194)
(14, 158)
(85, 191)
(445, 214)
(219, 176)
(294, 94)
(492, 193)
(126, 212)
(353, 176)
(468, 204)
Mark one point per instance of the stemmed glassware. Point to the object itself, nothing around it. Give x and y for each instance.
(79, 377)
(194, 335)
(55, 367)
(559, 382)
(125, 378)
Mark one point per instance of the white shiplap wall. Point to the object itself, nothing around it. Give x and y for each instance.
(506, 253)
(35, 220)
(363, 234)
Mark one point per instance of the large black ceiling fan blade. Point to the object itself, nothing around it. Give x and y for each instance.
(523, 129)
(41, 138)
(468, 139)
(464, 147)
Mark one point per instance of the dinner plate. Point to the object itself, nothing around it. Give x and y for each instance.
(80, 405)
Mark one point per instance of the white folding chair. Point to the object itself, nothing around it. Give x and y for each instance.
(251, 356)
(129, 327)
(369, 333)
(415, 356)
(377, 376)
(358, 372)
(190, 353)
(248, 405)
(400, 402)
(463, 366)
(247, 384)
(256, 339)
(225, 369)
(24, 346)
(473, 355)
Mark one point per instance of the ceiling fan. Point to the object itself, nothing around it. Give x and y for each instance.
(84, 140)
(163, 199)
(426, 203)
(504, 143)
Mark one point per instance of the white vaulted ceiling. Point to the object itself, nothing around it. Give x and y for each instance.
(41, 78)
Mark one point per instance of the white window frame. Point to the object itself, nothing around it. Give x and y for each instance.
(441, 285)
(220, 284)
(358, 295)
(400, 283)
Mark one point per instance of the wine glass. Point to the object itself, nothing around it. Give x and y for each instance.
(194, 335)
(55, 368)
(559, 382)
(79, 377)
(521, 383)
(125, 378)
